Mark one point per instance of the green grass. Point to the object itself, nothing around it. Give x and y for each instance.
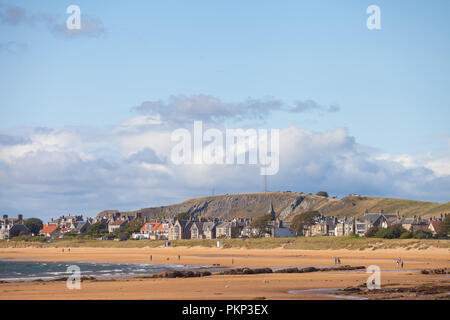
(305, 243)
(64, 243)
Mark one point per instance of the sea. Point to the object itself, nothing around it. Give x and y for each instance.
(14, 270)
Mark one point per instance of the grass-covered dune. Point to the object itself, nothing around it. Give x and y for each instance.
(305, 243)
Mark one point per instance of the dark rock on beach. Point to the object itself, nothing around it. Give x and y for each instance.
(435, 271)
(179, 274)
(313, 269)
(239, 271)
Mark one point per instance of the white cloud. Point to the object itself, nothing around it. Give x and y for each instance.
(15, 16)
(311, 105)
(182, 109)
(47, 171)
(405, 160)
(441, 167)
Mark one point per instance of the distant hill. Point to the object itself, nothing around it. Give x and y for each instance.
(288, 204)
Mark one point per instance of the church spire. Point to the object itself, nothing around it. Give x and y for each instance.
(271, 211)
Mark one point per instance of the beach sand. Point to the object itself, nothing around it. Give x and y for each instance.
(269, 286)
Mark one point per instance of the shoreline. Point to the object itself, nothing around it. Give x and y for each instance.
(102, 271)
(227, 257)
(246, 286)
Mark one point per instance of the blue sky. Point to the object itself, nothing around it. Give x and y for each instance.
(391, 85)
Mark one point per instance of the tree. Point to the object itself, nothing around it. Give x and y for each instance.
(322, 194)
(127, 230)
(123, 235)
(34, 225)
(97, 229)
(72, 234)
(372, 232)
(261, 224)
(423, 234)
(183, 216)
(301, 221)
(406, 235)
(444, 227)
(134, 226)
(381, 233)
(392, 232)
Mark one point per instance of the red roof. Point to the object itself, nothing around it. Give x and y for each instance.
(153, 226)
(160, 227)
(435, 224)
(49, 228)
(117, 223)
(150, 226)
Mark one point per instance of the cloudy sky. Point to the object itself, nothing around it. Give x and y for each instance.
(86, 116)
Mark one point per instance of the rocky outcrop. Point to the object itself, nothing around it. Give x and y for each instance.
(286, 205)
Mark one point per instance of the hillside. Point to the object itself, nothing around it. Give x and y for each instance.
(288, 204)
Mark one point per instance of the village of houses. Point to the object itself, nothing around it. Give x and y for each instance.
(174, 229)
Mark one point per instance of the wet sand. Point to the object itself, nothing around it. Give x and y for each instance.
(269, 286)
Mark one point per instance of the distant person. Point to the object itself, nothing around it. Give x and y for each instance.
(151, 257)
(339, 260)
(335, 260)
(62, 249)
(68, 249)
(232, 261)
(402, 264)
(179, 257)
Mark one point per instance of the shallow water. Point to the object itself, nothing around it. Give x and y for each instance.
(14, 270)
(325, 292)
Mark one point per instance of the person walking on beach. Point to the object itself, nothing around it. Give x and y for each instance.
(335, 260)
(151, 257)
(179, 257)
(402, 264)
(232, 261)
(339, 260)
(399, 262)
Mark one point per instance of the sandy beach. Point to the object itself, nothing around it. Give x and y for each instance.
(268, 286)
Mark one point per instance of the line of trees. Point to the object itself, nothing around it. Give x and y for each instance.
(34, 225)
(302, 221)
(396, 231)
(299, 224)
(261, 224)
